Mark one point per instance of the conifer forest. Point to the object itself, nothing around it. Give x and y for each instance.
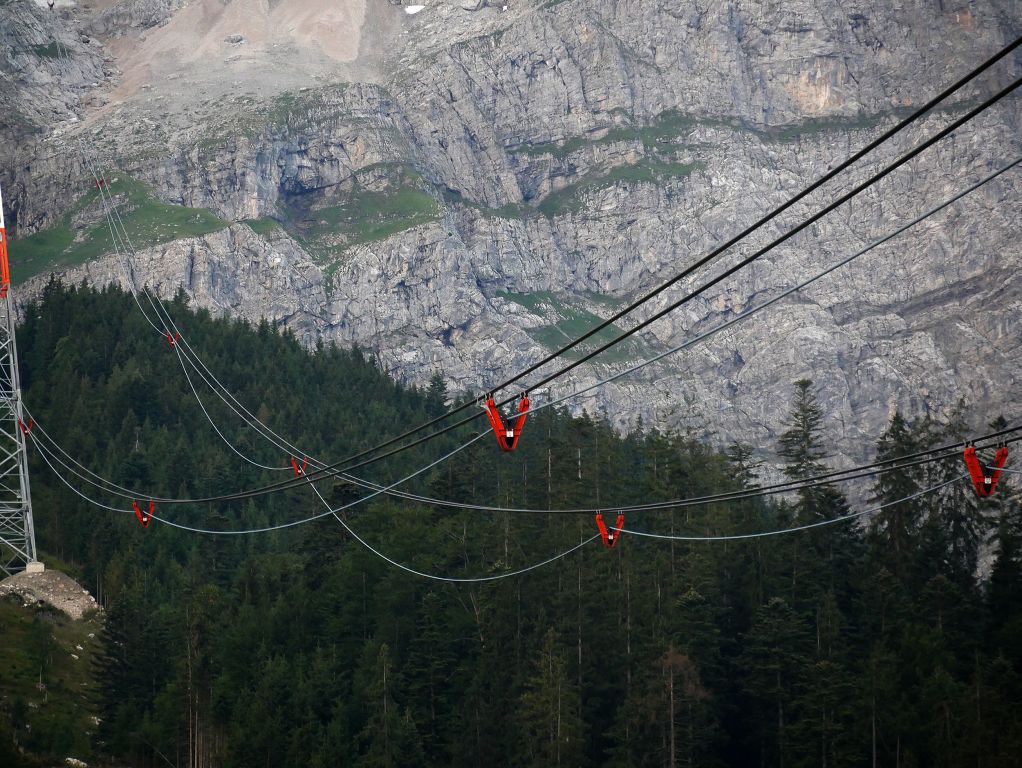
(888, 639)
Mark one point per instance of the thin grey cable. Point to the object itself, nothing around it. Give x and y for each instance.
(749, 312)
(348, 528)
(216, 429)
(447, 579)
(791, 486)
(266, 529)
(808, 526)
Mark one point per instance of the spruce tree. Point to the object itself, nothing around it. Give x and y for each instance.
(801, 447)
(894, 526)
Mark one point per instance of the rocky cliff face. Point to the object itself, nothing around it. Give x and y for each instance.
(480, 183)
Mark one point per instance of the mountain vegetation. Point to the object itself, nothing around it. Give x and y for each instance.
(892, 640)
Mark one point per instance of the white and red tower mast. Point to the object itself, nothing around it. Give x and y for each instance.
(17, 531)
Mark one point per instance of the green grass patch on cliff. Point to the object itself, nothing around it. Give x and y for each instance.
(146, 220)
(568, 320)
(666, 128)
(511, 211)
(48, 51)
(378, 215)
(262, 226)
(571, 198)
(815, 126)
(331, 225)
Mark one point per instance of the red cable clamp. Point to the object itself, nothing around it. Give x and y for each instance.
(173, 340)
(299, 470)
(507, 437)
(610, 537)
(983, 483)
(144, 517)
(26, 429)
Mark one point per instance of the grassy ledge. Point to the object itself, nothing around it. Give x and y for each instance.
(571, 199)
(568, 321)
(147, 221)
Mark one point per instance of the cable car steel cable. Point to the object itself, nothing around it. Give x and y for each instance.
(174, 336)
(576, 342)
(790, 486)
(213, 424)
(922, 110)
(171, 332)
(329, 468)
(150, 299)
(266, 529)
(658, 315)
(145, 519)
(619, 530)
(796, 529)
(438, 502)
(627, 333)
(701, 337)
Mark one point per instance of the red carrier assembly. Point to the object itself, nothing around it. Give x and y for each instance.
(299, 469)
(610, 537)
(173, 338)
(144, 517)
(983, 483)
(507, 437)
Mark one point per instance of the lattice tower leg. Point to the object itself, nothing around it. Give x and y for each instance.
(17, 532)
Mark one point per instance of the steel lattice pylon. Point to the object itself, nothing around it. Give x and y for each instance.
(17, 532)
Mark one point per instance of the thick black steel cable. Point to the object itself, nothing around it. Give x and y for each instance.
(688, 297)
(693, 294)
(774, 490)
(1007, 90)
(837, 475)
(330, 468)
(706, 259)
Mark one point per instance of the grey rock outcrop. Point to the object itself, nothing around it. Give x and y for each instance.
(50, 70)
(132, 17)
(53, 588)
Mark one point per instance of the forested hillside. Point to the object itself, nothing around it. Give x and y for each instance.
(898, 641)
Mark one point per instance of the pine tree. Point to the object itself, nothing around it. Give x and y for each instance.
(955, 524)
(894, 527)
(820, 560)
(801, 446)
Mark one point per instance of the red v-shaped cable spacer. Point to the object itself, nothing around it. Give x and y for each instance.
(144, 517)
(610, 537)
